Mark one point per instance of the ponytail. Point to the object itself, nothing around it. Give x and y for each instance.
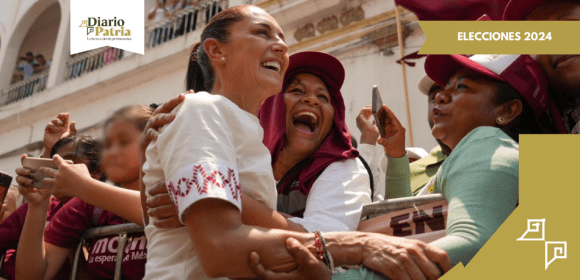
(200, 74)
(195, 74)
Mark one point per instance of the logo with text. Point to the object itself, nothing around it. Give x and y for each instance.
(553, 250)
(95, 25)
(106, 27)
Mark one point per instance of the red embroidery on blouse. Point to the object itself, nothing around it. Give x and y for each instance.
(202, 181)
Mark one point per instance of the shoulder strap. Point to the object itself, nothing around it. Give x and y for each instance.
(370, 175)
(291, 173)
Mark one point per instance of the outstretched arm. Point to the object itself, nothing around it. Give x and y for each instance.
(480, 182)
(75, 180)
(37, 259)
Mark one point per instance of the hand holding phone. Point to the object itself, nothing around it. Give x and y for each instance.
(377, 104)
(33, 164)
(391, 130)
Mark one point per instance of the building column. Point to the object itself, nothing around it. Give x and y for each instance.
(61, 55)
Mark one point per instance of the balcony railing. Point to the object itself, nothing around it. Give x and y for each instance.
(91, 61)
(24, 88)
(187, 20)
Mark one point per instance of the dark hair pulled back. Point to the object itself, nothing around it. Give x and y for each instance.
(526, 122)
(85, 146)
(200, 73)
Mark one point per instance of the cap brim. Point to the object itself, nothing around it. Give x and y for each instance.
(520, 9)
(442, 67)
(425, 84)
(318, 61)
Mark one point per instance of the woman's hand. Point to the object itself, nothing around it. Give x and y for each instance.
(57, 129)
(161, 208)
(34, 196)
(394, 140)
(400, 258)
(367, 127)
(23, 175)
(68, 179)
(309, 267)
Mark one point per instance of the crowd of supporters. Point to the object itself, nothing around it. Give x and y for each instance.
(253, 172)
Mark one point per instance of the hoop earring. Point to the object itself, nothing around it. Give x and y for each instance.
(500, 120)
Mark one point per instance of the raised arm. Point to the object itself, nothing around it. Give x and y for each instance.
(398, 177)
(58, 128)
(37, 259)
(368, 139)
(394, 146)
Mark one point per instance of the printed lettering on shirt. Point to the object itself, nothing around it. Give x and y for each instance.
(104, 250)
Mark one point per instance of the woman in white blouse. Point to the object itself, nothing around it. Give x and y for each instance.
(211, 156)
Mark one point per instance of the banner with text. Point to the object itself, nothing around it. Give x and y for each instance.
(500, 37)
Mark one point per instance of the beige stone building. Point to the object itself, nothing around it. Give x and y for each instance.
(91, 85)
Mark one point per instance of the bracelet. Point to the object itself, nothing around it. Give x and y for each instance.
(327, 257)
(318, 243)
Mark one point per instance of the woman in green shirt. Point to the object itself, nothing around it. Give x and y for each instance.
(487, 101)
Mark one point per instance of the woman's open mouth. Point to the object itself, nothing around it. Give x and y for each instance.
(305, 121)
(272, 65)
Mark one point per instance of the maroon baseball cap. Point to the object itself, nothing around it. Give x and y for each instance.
(321, 64)
(520, 9)
(520, 71)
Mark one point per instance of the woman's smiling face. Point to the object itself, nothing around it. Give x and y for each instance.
(256, 53)
(467, 102)
(309, 113)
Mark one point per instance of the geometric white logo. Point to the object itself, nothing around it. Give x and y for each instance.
(534, 225)
(560, 251)
(536, 232)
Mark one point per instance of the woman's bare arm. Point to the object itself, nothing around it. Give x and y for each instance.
(217, 233)
(75, 180)
(256, 213)
(37, 259)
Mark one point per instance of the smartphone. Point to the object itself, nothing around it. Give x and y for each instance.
(33, 164)
(5, 181)
(377, 104)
